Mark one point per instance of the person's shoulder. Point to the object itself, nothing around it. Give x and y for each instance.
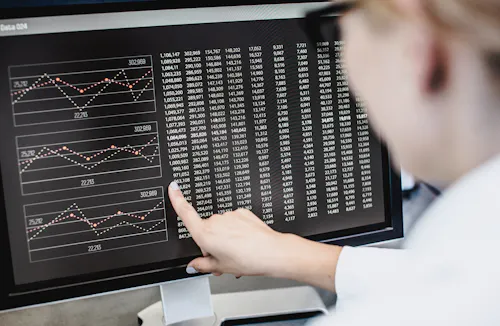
(467, 214)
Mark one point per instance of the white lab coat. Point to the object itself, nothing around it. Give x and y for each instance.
(447, 274)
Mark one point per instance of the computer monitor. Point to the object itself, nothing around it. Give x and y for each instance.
(103, 105)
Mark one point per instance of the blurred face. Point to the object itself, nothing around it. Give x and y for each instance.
(386, 64)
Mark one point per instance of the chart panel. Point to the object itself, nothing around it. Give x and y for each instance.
(94, 224)
(79, 90)
(88, 157)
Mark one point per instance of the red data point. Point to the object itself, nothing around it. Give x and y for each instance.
(130, 86)
(58, 79)
(81, 91)
(143, 218)
(95, 225)
(72, 215)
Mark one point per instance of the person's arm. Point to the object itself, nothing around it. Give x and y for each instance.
(363, 270)
(241, 244)
(349, 272)
(307, 262)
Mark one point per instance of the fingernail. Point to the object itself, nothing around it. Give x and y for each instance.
(175, 186)
(191, 270)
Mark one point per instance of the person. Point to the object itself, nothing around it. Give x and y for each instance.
(429, 72)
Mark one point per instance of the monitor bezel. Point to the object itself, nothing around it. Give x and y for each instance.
(59, 10)
(13, 296)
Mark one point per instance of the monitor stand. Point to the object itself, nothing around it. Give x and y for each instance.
(243, 305)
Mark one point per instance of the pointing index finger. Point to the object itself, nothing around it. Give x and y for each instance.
(184, 210)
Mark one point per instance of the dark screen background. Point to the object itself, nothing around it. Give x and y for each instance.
(153, 42)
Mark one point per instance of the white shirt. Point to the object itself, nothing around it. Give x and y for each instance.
(447, 274)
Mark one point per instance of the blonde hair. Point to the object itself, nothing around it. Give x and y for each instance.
(476, 20)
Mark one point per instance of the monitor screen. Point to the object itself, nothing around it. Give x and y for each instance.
(100, 112)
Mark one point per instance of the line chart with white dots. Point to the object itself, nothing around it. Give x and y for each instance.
(82, 90)
(86, 158)
(87, 225)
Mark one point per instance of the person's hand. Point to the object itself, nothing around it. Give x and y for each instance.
(241, 244)
(237, 243)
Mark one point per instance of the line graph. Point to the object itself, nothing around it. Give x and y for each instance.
(93, 224)
(92, 89)
(80, 216)
(47, 153)
(88, 157)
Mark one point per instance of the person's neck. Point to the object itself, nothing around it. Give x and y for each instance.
(477, 140)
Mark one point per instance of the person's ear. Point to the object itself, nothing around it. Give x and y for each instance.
(432, 56)
(436, 69)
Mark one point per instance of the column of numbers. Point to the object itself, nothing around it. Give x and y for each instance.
(284, 130)
(261, 131)
(328, 128)
(175, 116)
(241, 159)
(218, 122)
(199, 134)
(364, 154)
(346, 132)
(307, 130)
